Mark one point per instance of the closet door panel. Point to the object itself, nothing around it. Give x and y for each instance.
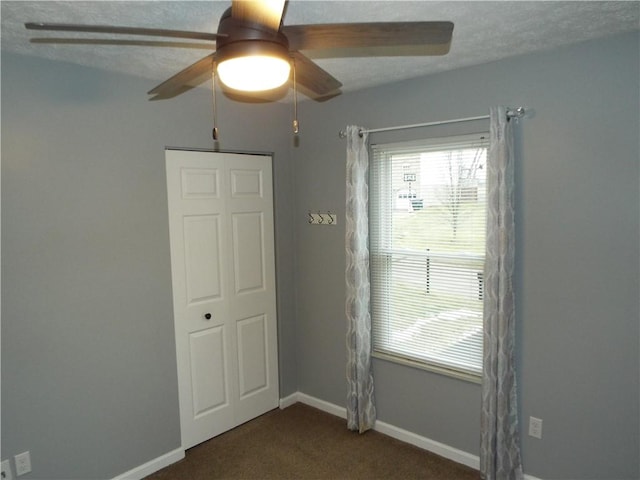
(223, 273)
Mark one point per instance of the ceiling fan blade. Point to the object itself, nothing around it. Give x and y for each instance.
(189, 77)
(317, 81)
(436, 36)
(113, 41)
(152, 32)
(265, 12)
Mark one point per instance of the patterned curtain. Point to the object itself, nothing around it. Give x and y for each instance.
(499, 448)
(361, 410)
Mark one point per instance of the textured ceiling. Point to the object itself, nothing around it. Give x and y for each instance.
(484, 32)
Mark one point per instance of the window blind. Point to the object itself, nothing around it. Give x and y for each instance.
(427, 244)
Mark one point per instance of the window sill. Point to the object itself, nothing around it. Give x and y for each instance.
(459, 375)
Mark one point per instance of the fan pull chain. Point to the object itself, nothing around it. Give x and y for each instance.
(214, 132)
(296, 125)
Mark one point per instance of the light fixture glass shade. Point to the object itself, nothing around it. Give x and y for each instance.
(254, 73)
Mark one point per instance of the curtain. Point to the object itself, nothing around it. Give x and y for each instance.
(499, 448)
(361, 411)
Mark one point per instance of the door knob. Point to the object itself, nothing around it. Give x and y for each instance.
(207, 316)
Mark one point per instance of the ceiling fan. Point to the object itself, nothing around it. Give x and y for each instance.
(254, 51)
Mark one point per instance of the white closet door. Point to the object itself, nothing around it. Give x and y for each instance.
(223, 271)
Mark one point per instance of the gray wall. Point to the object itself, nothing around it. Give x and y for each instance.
(88, 361)
(577, 261)
(88, 358)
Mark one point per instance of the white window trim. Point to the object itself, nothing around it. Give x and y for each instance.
(429, 367)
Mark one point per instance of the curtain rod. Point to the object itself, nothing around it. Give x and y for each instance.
(511, 113)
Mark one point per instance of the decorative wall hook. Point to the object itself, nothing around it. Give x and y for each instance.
(322, 218)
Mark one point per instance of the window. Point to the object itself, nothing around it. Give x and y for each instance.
(427, 247)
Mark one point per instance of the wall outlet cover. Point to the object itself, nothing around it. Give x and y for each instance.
(5, 469)
(23, 463)
(535, 427)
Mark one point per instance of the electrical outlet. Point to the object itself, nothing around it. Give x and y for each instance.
(5, 470)
(535, 427)
(23, 463)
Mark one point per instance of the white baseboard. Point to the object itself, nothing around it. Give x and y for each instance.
(288, 401)
(152, 466)
(425, 443)
(331, 408)
(406, 436)
(299, 397)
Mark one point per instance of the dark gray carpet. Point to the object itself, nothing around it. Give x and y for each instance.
(301, 442)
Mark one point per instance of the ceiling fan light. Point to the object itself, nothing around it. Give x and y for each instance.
(254, 73)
